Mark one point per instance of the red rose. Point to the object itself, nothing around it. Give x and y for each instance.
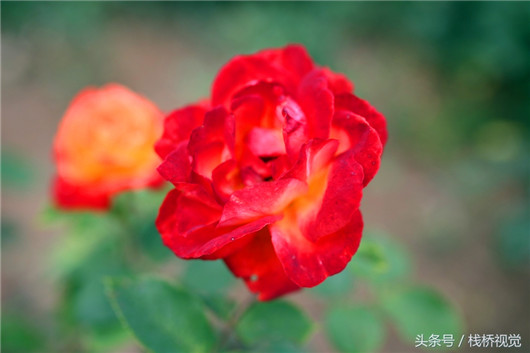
(104, 145)
(269, 174)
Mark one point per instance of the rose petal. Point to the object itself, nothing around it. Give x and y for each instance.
(340, 200)
(213, 142)
(260, 200)
(355, 134)
(285, 66)
(67, 195)
(295, 127)
(185, 209)
(176, 167)
(265, 142)
(260, 268)
(308, 264)
(363, 108)
(256, 105)
(178, 126)
(294, 58)
(226, 179)
(337, 83)
(214, 242)
(243, 71)
(334, 188)
(314, 155)
(316, 100)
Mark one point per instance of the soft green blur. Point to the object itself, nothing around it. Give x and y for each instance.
(453, 80)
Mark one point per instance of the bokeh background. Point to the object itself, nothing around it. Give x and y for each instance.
(453, 80)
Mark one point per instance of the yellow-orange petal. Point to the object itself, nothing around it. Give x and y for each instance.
(105, 141)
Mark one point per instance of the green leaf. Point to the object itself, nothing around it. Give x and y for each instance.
(278, 347)
(19, 335)
(207, 276)
(354, 329)
(136, 211)
(84, 302)
(73, 253)
(419, 310)
(150, 241)
(91, 246)
(92, 309)
(336, 285)
(162, 317)
(221, 306)
(276, 321)
(139, 201)
(380, 259)
(108, 341)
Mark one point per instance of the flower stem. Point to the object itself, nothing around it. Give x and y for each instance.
(228, 331)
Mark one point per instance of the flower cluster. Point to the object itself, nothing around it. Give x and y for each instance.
(268, 173)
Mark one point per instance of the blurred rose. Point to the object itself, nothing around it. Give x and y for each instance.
(269, 174)
(104, 145)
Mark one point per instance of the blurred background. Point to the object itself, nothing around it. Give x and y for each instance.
(453, 80)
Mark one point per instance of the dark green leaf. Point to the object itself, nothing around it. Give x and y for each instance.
(419, 310)
(162, 317)
(207, 276)
(92, 308)
(276, 321)
(278, 347)
(150, 241)
(354, 329)
(220, 305)
(136, 211)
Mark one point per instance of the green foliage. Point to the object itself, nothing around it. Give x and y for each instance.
(278, 347)
(19, 335)
(210, 280)
(163, 318)
(276, 321)
(89, 245)
(419, 310)
(514, 242)
(207, 276)
(380, 259)
(137, 211)
(222, 306)
(91, 307)
(336, 285)
(150, 241)
(355, 329)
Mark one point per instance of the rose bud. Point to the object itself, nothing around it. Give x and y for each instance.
(104, 145)
(269, 173)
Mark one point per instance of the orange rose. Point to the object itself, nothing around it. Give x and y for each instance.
(104, 145)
